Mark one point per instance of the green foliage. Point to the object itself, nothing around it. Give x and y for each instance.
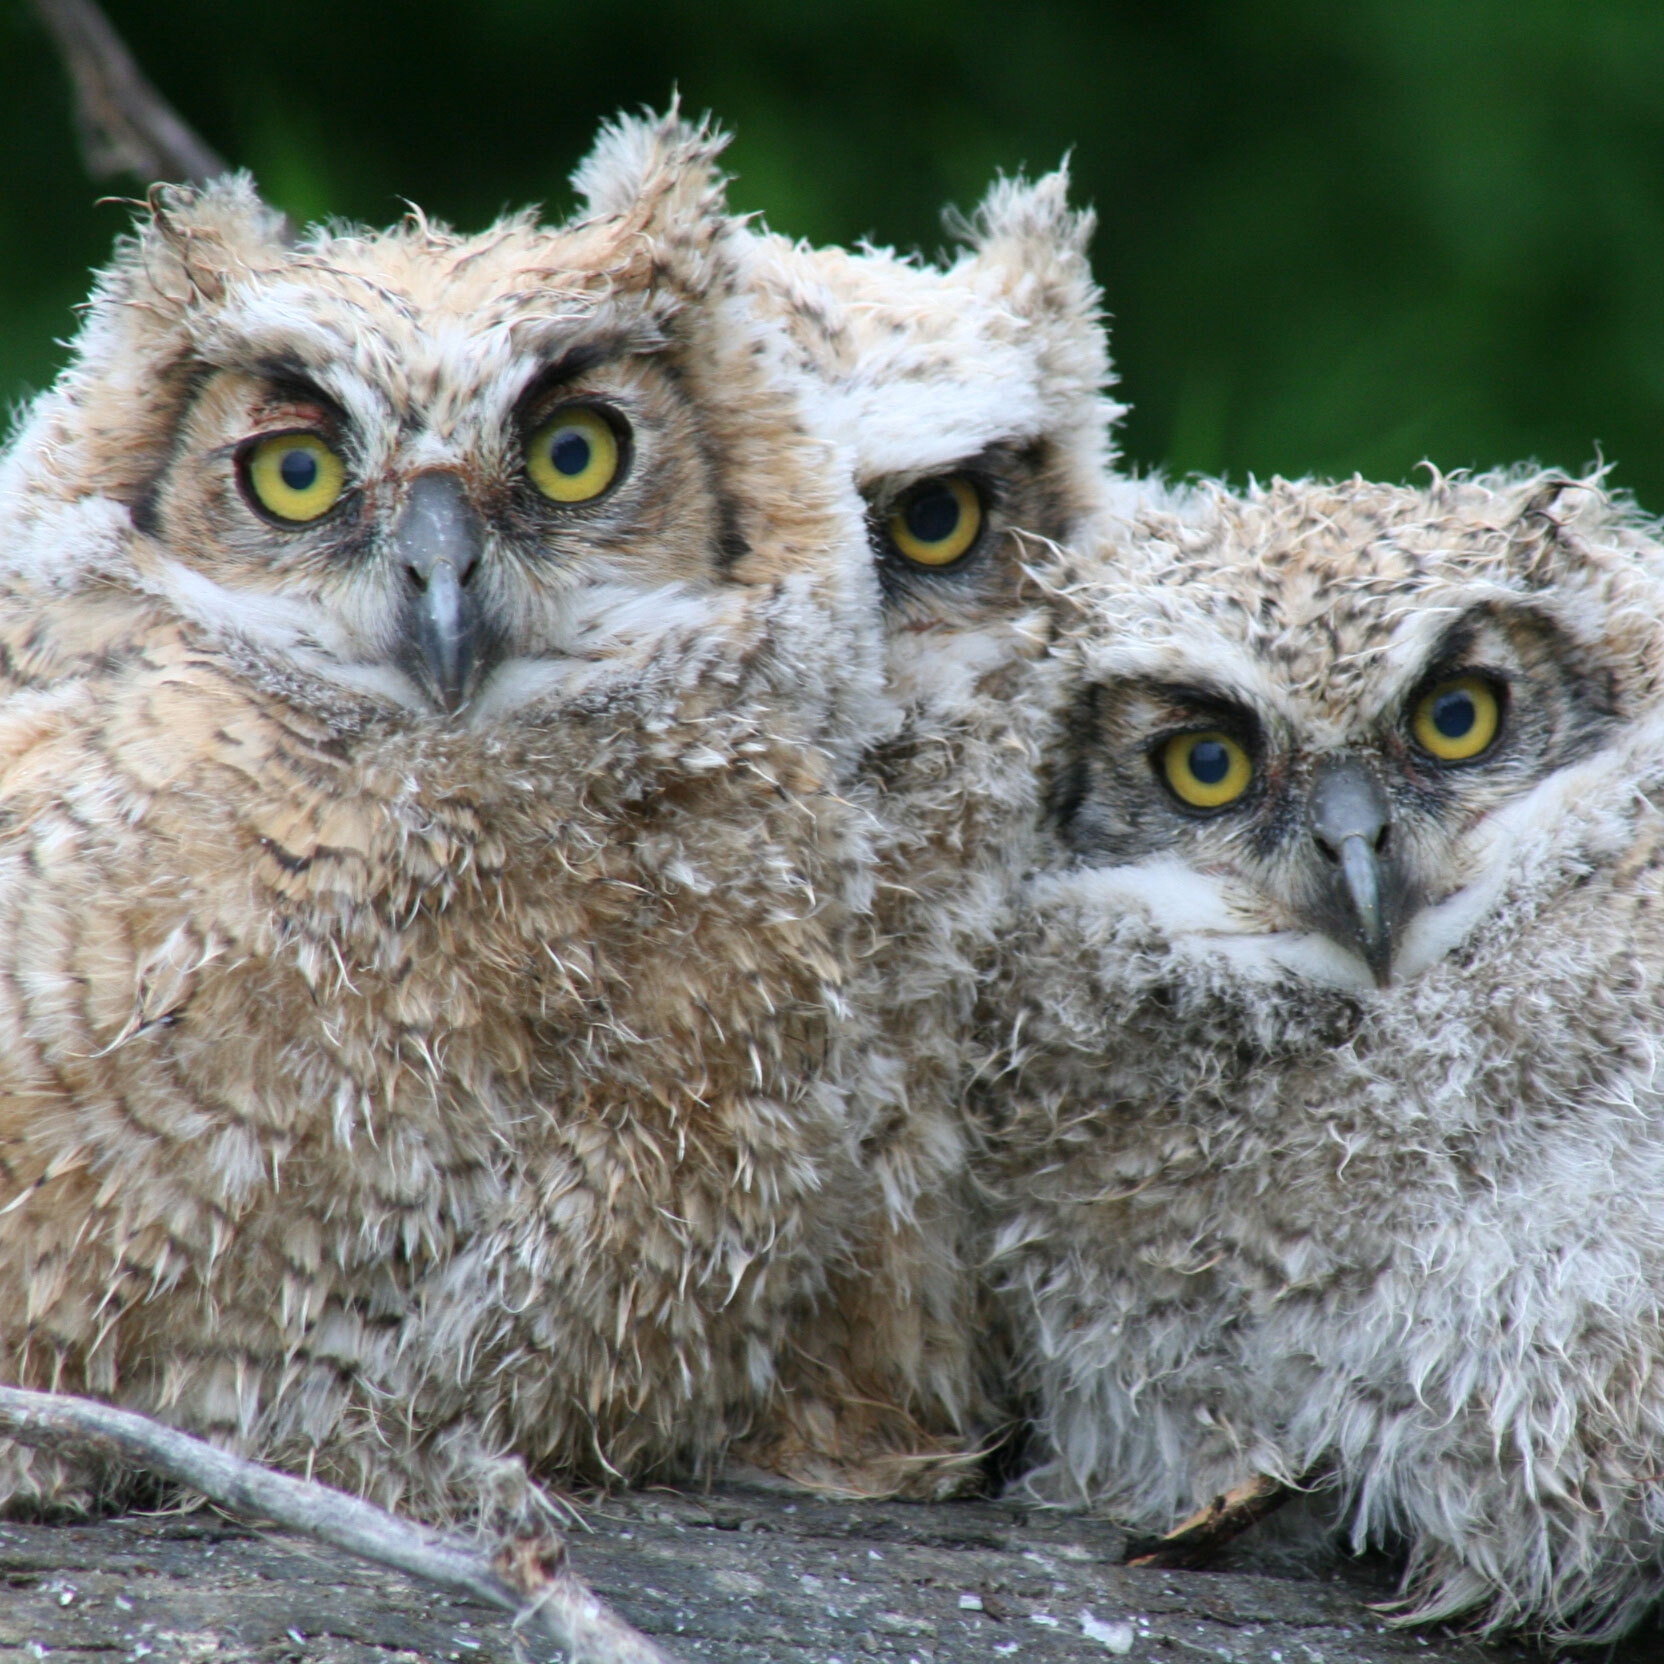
(1332, 237)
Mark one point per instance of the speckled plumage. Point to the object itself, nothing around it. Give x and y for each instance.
(1265, 1217)
(991, 368)
(391, 1092)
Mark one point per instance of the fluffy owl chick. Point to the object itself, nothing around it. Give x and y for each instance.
(969, 399)
(430, 662)
(1333, 1141)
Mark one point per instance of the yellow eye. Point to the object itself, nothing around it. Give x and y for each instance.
(574, 456)
(1206, 770)
(1456, 720)
(936, 522)
(294, 476)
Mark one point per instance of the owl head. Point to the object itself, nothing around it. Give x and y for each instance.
(439, 480)
(970, 400)
(1325, 735)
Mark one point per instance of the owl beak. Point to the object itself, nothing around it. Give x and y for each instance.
(1363, 892)
(438, 541)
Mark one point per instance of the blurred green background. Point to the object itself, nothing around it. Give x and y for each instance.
(1332, 236)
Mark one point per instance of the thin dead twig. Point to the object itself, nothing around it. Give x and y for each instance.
(126, 125)
(528, 1578)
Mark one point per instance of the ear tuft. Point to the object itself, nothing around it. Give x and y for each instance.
(658, 172)
(106, 425)
(1028, 236)
(1036, 217)
(1028, 253)
(1543, 533)
(204, 236)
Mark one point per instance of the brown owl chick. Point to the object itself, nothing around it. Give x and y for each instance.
(969, 399)
(430, 662)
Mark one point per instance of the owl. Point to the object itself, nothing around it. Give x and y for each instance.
(1331, 1144)
(969, 399)
(432, 665)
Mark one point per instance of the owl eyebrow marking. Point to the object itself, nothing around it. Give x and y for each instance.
(1453, 645)
(289, 378)
(574, 362)
(989, 467)
(1209, 702)
(1454, 649)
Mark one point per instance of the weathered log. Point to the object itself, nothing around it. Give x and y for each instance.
(735, 1576)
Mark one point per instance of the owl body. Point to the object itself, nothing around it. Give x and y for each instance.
(969, 399)
(426, 914)
(1363, 1200)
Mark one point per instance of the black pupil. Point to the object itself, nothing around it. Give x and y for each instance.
(1210, 762)
(932, 514)
(1454, 713)
(570, 453)
(298, 470)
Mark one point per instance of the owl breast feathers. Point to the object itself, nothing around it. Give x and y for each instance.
(432, 666)
(1333, 1147)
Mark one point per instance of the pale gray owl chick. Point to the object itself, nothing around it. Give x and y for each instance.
(430, 665)
(969, 398)
(1334, 1139)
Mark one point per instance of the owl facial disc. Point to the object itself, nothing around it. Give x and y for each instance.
(1364, 897)
(439, 540)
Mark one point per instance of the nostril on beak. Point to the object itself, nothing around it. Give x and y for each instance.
(439, 540)
(422, 576)
(439, 528)
(1347, 803)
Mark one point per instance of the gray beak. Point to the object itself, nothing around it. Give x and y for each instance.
(1364, 894)
(438, 541)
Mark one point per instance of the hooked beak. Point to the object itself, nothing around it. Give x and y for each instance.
(438, 541)
(1364, 894)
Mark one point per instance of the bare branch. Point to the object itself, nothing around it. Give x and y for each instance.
(528, 1578)
(126, 125)
(1195, 1541)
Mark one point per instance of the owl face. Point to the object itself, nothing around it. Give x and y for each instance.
(970, 400)
(440, 548)
(449, 553)
(452, 476)
(1315, 729)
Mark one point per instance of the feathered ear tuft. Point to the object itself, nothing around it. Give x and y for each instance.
(201, 238)
(1544, 532)
(136, 353)
(1595, 561)
(1028, 253)
(1037, 216)
(658, 175)
(1028, 235)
